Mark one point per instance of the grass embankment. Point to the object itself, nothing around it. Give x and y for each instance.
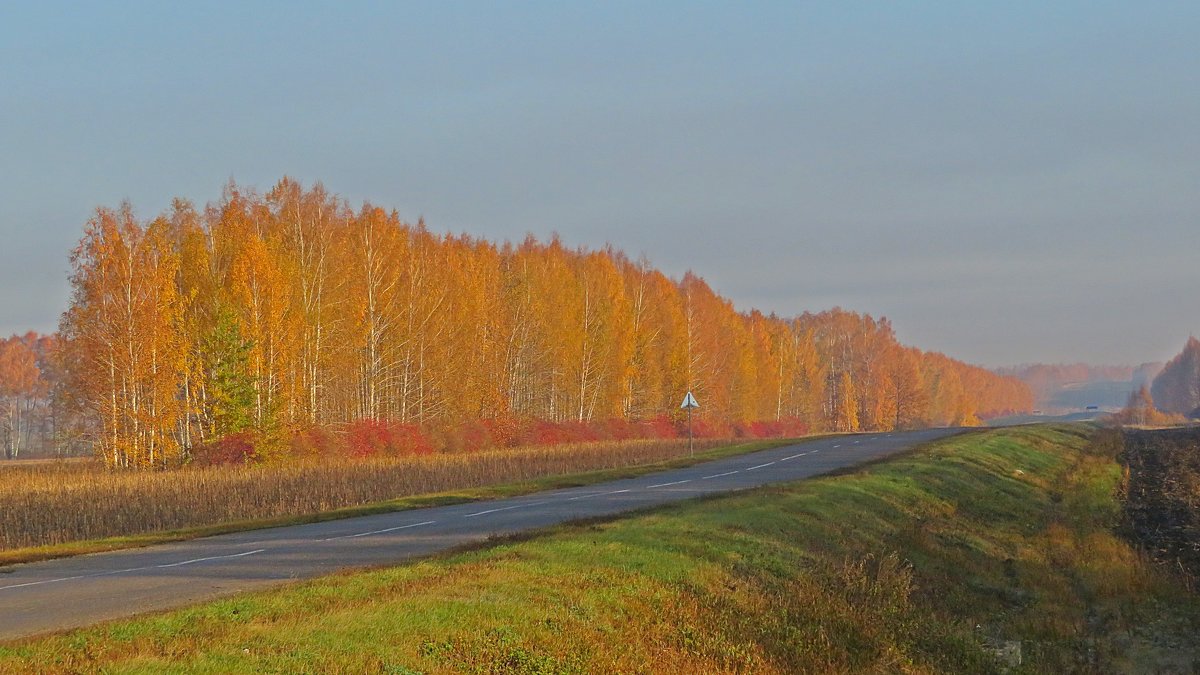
(69, 508)
(920, 564)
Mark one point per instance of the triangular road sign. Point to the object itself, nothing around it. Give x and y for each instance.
(689, 402)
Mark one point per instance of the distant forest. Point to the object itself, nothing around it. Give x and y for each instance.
(27, 373)
(265, 317)
(1067, 387)
(1177, 387)
(1152, 393)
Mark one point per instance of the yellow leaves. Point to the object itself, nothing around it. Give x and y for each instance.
(360, 315)
(19, 374)
(846, 416)
(126, 322)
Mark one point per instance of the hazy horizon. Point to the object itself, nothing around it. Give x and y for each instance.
(1007, 185)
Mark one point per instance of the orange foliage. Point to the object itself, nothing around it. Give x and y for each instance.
(398, 337)
(24, 413)
(1141, 411)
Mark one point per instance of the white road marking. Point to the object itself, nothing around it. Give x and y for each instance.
(386, 529)
(389, 529)
(51, 581)
(506, 508)
(597, 494)
(678, 482)
(215, 557)
(131, 569)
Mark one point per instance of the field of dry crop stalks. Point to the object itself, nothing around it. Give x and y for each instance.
(57, 502)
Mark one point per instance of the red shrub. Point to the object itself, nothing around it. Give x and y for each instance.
(233, 449)
(409, 439)
(367, 438)
(665, 427)
(505, 431)
(701, 428)
(792, 427)
(475, 435)
(316, 442)
(541, 432)
(618, 429)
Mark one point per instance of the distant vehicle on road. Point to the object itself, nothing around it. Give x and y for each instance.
(1093, 408)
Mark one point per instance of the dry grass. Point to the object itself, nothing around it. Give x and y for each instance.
(940, 561)
(46, 504)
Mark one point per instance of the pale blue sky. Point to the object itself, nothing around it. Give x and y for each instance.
(1007, 182)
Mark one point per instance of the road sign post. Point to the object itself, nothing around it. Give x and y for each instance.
(689, 404)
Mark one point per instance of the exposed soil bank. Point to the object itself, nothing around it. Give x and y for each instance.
(1162, 496)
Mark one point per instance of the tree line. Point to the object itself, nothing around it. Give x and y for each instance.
(289, 310)
(27, 417)
(1177, 387)
(1047, 380)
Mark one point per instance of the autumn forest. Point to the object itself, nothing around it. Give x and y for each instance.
(285, 319)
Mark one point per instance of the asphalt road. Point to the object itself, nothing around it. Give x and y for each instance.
(72, 592)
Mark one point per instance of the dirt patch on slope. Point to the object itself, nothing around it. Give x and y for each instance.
(1162, 496)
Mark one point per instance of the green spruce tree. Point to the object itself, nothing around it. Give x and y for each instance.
(231, 395)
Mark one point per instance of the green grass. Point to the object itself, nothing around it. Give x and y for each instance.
(73, 548)
(918, 564)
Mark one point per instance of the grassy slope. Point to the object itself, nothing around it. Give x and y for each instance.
(908, 565)
(35, 553)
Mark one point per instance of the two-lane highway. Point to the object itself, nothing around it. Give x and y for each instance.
(72, 592)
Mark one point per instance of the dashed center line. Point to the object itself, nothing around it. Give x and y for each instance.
(678, 482)
(52, 581)
(214, 557)
(247, 553)
(504, 508)
(132, 569)
(598, 494)
(386, 529)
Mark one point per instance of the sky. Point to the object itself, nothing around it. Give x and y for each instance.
(1008, 182)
